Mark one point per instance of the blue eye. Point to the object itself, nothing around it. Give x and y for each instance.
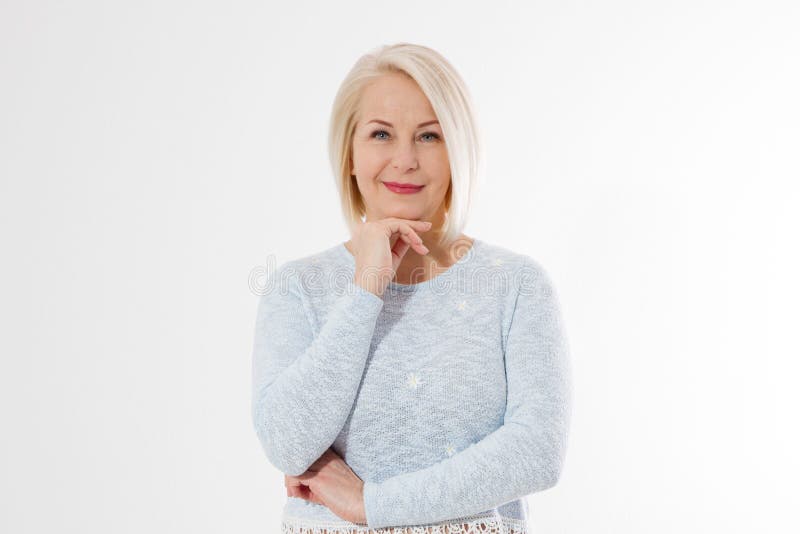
(373, 135)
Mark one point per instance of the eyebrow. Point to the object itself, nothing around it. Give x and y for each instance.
(420, 125)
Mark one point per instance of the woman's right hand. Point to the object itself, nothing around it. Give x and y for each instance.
(380, 246)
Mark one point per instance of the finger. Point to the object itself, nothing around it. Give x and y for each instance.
(413, 239)
(420, 226)
(290, 481)
(415, 242)
(393, 224)
(314, 498)
(294, 488)
(304, 492)
(400, 249)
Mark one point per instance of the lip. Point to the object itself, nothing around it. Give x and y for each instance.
(401, 188)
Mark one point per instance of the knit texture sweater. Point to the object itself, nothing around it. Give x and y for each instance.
(450, 398)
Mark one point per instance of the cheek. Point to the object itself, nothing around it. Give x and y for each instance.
(367, 184)
(369, 158)
(438, 165)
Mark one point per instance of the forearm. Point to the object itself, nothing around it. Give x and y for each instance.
(299, 410)
(515, 460)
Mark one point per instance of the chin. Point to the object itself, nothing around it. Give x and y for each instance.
(406, 214)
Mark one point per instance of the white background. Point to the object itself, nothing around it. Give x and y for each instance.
(153, 154)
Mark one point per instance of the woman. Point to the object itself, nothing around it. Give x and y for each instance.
(413, 375)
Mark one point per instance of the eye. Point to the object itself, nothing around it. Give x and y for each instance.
(433, 136)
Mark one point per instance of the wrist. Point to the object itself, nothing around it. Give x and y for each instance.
(361, 514)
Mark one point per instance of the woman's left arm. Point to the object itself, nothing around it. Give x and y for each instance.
(524, 455)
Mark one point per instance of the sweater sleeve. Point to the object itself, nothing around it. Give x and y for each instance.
(525, 454)
(304, 384)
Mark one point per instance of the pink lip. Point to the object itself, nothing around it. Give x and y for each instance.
(403, 189)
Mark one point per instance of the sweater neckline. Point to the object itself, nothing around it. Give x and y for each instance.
(437, 280)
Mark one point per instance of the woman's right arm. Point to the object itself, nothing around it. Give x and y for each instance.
(304, 385)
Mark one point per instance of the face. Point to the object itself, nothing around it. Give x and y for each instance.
(398, 140)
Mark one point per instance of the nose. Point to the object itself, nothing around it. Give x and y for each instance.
(404, 158)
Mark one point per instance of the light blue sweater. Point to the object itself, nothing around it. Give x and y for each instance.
(448, 398)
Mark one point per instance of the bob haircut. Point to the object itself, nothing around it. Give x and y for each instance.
(451, 102)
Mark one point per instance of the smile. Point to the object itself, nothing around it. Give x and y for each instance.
(403, 189)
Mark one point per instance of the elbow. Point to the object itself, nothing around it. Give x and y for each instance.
(552, 473)
(541, 481)
(287, 460)
(551, 480)
(281, 453)
(288, 465)
(550, 457)
(543, 473)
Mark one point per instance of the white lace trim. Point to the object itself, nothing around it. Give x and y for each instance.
(484, 524)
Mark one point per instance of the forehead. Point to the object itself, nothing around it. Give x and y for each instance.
(395, 96)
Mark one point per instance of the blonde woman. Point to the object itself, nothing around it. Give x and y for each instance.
(412, 375)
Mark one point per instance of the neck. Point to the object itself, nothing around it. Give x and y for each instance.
(415, 268)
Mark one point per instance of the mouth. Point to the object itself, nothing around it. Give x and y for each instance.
(402, 188)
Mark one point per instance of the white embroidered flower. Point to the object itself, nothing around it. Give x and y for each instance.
(461, 304)
(450, 450)
(413, 380)
(498, 261)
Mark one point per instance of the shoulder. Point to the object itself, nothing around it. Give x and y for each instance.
(522, 268)
(524, 276)
(313, 260)
(313, 273)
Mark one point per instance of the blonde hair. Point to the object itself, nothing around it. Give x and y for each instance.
(451, 102)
